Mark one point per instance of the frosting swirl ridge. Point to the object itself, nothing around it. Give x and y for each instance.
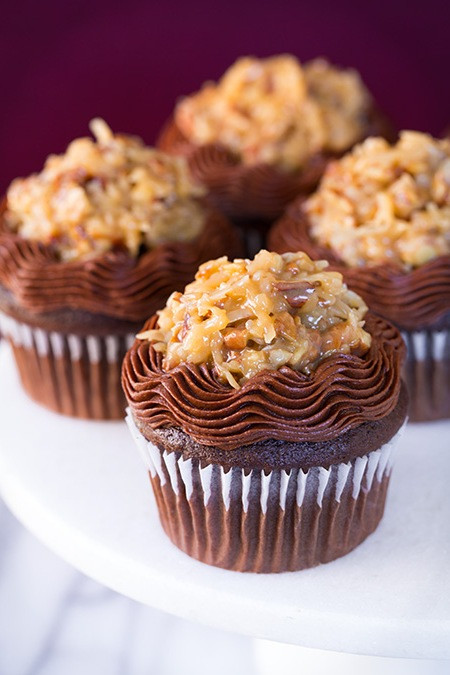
(343, 392)
(256, 190)
(114, 283)
(239, 189)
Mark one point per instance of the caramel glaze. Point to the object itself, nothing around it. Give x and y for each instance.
(412, 300)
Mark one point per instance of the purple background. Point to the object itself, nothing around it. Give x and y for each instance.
(64, 62)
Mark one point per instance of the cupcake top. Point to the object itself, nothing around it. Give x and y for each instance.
(271, 348)
(246, 316)
(106, 194)
(386, 203)
(110, 228)
(275, 111)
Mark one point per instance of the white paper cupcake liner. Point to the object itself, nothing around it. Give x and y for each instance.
(302, 517)
(427, 374)
(311, 484)
(70, 374)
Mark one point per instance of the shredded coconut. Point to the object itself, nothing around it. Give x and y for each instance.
(245, 316)
(109, 192)
(383, 203)
(276, 111)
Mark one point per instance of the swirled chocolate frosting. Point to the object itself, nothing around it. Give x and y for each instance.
(253, 191)
(341, 394)
(113, 284)
(411, 299)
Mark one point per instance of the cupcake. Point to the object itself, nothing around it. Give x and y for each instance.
(264, 133)
(267, 405)
(381, 216)
(89, 248)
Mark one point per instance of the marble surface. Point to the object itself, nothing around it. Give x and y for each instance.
(81, 488)
(53, 619)
(56, 621)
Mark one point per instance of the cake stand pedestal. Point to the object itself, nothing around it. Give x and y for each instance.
(82, 489)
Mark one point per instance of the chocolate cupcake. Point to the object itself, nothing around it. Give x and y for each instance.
(267, 412)
(381, 216)
(88, 248)
(266, 131)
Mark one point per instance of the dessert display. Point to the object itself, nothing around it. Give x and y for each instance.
(88, 248)
(267, 403)
(264, 133)
(381, 216)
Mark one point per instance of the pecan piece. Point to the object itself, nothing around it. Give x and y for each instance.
(185, 327)
(234, 338)
(297, 292)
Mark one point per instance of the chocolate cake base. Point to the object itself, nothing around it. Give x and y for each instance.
(427, 374)
(279, 540)
(270, 519)
(68, 373)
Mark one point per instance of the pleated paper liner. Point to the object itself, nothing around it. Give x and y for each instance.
(427, 374)
(274, 521)
(67, 373)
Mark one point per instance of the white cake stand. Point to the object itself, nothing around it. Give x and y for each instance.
(81, 488)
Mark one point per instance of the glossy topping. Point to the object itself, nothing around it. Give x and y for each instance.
(114, 284)
(242, 317)
(276, 111)
(386, 204)
(343, 392)
(412, 299)
(103, 194)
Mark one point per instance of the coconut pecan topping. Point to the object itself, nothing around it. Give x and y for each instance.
(245, 316)
(109, 193)
(386, 204)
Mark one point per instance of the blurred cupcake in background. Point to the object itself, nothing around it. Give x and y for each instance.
(381, 216)
(267, 404)
(89, 248)
(265, 132)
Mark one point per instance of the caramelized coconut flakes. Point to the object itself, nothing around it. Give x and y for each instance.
(276, 111)
(246, 316)
(383, 203)
(109, 192)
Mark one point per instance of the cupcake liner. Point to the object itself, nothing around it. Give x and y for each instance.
(427, 374)
(267, 521)
(70, 374)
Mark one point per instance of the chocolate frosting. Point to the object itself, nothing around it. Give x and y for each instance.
(343, 392)
(253, 191)
(412, 300)
(275, 454)
(113, 284)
